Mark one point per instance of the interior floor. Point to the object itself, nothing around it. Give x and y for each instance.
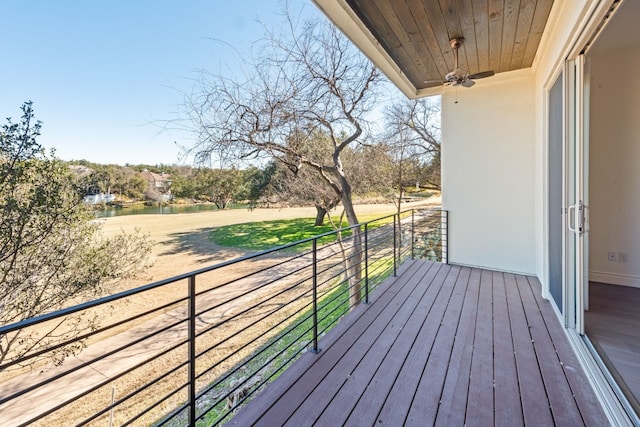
(612, 324)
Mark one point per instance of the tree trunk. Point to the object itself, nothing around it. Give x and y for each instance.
(354, 259)
(321, 212)
(399, 229)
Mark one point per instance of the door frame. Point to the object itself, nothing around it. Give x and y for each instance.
(575, 196)
(616, 406)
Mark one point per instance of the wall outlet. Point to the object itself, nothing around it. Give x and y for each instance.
(612, 256)
(623, 257)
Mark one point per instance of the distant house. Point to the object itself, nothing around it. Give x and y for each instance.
(158, 185)
(160, 182)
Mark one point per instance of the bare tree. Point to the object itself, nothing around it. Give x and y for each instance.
(367, 167)
(310, 79)
(414, 144)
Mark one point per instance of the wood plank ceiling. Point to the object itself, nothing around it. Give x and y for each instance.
(500, 35)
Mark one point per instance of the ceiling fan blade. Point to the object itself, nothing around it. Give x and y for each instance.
(460, 76)
(482, 75)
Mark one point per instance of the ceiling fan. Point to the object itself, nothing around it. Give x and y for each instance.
(459, 76)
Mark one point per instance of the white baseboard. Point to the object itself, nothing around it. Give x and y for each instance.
(614, 279)
(491, 268)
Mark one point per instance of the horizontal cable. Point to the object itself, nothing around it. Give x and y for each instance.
(88, 363)
(89, 334)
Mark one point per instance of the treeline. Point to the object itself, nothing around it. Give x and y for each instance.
(305, 170)
(374, 169)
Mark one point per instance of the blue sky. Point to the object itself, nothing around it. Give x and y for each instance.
(104, 76)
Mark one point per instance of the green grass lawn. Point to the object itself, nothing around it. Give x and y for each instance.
(263, 235)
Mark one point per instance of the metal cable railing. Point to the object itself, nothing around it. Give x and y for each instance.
(223, 334)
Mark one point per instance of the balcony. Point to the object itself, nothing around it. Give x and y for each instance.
(279, 339)
(438, 345)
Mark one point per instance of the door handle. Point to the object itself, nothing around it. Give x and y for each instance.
(576, 221)
(571, 218)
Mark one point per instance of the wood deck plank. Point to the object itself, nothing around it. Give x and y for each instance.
(389, 367)
(406, 394)
(397, 341)
(394, 409)
(429, 394)
(295, 381)
(592, 413)
(508, 407)
(381, 388)
(480, 404)
(563, 406)
(453, 403)
(393, 317)
(535, 405)
(439, 345)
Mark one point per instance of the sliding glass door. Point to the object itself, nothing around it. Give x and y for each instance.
(555, 207)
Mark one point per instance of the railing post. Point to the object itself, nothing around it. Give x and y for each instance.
(315, 296)
(395, 240)
(413, 235)
(192, 351)
(366, 263)
(445, 238)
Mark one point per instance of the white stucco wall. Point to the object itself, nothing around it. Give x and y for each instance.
(501, 201)
(615, 167)
(495, 188)
(488, 170)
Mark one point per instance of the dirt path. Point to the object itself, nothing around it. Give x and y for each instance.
(181, 241)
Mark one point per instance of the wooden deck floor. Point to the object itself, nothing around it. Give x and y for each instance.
(438, 345)
(613, 325)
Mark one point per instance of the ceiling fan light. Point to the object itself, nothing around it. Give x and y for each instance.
(460, 76)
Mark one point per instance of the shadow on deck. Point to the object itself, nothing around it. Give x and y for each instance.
(437, 345)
